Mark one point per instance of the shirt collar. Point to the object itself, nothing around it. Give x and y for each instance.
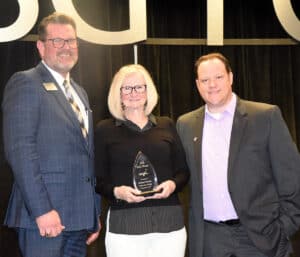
(59, 78)
(151, 122)
(229, 110)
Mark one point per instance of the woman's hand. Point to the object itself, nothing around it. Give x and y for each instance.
(165, 190)
(128, 194)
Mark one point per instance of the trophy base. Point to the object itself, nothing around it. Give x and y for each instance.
(149, 193)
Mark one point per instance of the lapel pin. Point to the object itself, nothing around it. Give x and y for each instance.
(195, 139)
(50, 86)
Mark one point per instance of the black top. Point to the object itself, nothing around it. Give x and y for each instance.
(128, 218)
(116, 146)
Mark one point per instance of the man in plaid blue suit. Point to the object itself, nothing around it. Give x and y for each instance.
(53, 205)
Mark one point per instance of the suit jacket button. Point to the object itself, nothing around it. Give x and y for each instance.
(87, 179)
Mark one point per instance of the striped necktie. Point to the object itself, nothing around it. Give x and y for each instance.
(75, 108)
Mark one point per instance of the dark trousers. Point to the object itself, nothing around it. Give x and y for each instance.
(221, 240)
(67, 244)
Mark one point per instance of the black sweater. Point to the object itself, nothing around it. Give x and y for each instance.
(116, 146)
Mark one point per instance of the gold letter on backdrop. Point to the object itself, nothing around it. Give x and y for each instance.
(137, 30)
(287, 17)
(28, 14)
(215, 27)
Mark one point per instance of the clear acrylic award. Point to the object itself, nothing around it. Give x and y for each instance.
(144, 175)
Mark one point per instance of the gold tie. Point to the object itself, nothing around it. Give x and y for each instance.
(75, 108)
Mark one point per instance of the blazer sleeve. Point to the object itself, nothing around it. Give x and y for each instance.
(103, 185)
(20, 108)
(181, 171)
(285, 161)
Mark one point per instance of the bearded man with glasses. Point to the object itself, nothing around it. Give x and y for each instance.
(53, 206)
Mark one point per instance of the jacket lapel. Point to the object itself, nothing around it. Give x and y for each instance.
(80, 94)
(85, 102)
(197, 142)
(90, 142)
(239, 124)
(60, 98)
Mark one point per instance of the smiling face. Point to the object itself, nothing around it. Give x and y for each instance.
(62, 59)
(134, 100)
(214, 84)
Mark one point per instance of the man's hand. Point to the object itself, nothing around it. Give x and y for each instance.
(92, 237)
(49, 224)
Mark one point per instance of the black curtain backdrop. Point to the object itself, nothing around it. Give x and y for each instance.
(261, 73)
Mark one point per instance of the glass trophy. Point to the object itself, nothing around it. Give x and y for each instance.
(144, 175)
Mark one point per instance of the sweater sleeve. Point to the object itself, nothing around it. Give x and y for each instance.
(181, 173)
(103, 182)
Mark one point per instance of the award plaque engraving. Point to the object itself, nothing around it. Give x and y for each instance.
(144, 175)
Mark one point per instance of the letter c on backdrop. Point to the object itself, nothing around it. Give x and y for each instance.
(287, 17)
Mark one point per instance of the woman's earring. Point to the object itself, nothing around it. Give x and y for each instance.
(123, 106)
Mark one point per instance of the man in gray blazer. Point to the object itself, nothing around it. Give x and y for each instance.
(48, 137)
(245, 171)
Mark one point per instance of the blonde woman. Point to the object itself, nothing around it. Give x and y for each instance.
(140, 225)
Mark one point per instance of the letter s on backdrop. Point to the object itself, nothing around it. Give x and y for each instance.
(28, 14)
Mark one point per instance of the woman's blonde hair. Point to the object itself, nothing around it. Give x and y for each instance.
(114, 95)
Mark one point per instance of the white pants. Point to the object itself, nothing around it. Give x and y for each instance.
(170, 244)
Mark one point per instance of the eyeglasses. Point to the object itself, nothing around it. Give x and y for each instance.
(126, 90)
(60, 42)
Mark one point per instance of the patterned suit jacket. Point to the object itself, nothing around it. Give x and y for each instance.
(52, 162)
